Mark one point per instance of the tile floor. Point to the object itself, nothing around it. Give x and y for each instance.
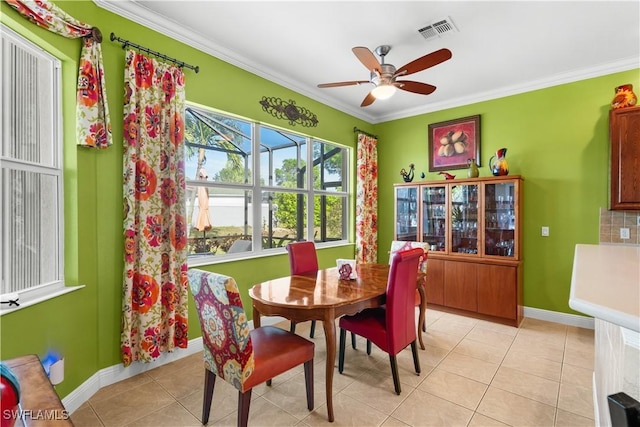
(474, 373)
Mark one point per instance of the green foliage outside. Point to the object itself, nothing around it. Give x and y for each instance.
(222, 140)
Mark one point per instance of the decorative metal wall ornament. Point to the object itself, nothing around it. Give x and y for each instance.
(288, 111)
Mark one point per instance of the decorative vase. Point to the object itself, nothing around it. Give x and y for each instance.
(624, 97)
(473, 171)
(500, 166)
(407, 176)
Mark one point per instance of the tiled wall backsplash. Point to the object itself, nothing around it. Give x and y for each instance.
(612, 221)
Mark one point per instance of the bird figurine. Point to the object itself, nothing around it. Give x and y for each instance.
(447, 175)
(407, 176)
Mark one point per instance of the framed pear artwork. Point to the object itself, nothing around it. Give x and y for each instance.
(453, 143)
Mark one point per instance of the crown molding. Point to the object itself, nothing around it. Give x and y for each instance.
(627, 64)
(149, 19)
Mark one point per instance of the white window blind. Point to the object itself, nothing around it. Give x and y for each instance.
(31, 168)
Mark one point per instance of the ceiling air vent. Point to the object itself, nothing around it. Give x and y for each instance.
(439, 28)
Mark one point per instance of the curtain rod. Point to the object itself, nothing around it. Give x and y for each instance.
(126, 43)
(355, 129)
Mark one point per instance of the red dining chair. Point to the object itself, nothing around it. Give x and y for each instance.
(242, 357)
(303, 259)
(393, 326)
(398, 245)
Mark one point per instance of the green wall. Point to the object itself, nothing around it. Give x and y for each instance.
(84, 326)
(556, 139)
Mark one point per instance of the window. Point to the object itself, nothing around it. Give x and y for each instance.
(242, 203)
(31, 204)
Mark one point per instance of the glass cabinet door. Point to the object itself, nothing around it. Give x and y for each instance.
(500, 219)
(407, 214)
(434, 219)
(464, 219)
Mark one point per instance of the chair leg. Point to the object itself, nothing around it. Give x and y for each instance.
(343, 339)
(244, 400)
(269, 383)
(353, 340)
(292, 328)
(424, 325)
(313, 329)
(368, 348)
(209, 384)
(394, 372)
(416, 360)
(308, 380)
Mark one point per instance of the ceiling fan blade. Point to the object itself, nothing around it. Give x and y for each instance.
(368, 100)
(367, 58)
(424, 62)
(336, 84)
(415, 87)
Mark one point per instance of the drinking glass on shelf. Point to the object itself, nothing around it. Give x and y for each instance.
(504, 220)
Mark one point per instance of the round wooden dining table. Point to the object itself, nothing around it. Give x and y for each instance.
(325, 297)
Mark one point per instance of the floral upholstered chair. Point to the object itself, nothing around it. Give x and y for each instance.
(398, 245)
(238, 355)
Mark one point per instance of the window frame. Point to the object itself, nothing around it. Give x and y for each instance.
(42, 291)
(256, 190)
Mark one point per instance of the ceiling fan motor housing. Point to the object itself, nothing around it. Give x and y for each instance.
(386, 77)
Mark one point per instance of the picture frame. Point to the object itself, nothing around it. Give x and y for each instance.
(453, 142)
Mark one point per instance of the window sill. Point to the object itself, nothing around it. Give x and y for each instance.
(196, 261)
(33, 301)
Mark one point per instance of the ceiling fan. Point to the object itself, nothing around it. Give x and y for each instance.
(384, 76)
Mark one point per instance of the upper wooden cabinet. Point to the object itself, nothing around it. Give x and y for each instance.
(624, 125)
(474, 218)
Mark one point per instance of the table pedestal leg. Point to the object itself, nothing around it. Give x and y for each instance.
(329, 324)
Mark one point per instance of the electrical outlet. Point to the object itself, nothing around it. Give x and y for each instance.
(638, 220)
(624, 233)
(545, 231)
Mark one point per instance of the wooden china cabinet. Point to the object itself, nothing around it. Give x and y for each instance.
(624, 126)
(474, 229)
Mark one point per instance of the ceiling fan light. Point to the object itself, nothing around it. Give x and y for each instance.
(383, 91)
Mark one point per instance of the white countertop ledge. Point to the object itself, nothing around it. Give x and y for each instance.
(605, 283)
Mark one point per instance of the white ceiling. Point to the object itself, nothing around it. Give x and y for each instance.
(501, 47)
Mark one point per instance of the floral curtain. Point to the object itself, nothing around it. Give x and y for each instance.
(93, 128)
(367, 200)
(154, 302)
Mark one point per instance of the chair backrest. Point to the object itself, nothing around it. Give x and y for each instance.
(228, 351)
(302, 257)
(400, 245)
(401, 290)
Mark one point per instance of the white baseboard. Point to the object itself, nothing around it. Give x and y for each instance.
(113, 374)
(557, 317)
